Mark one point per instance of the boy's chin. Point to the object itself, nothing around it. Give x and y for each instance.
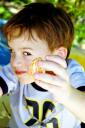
(26, 80)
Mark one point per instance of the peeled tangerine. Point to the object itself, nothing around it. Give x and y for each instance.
(33, 68)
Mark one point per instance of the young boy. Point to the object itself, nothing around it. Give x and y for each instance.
(41, 30)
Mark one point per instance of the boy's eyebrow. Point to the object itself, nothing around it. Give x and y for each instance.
(26, 48)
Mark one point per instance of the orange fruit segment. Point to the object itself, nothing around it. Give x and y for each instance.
(33, 68)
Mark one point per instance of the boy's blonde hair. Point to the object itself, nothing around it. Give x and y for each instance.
(50, 23)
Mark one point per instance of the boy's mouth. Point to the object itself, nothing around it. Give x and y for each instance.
(18, 72)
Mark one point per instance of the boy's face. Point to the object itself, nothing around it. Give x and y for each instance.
(23, 51)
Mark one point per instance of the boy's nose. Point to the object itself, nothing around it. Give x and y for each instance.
(17, 62)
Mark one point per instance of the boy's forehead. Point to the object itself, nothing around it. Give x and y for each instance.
(24, 41)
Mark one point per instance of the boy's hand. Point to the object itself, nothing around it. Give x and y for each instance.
(57, 84)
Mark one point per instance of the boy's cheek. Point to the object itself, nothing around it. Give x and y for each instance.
(28, 63)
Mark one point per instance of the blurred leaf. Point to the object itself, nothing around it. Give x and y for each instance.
(2, 10)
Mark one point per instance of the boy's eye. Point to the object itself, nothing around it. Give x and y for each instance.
(26, 53)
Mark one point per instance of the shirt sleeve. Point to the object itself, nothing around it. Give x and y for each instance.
(76, 74)
(8, 80)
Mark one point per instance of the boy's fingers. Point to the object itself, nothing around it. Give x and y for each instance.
(55, 90)
(46, 86)
(59, 60)
(42, 84)
(49, 79)
(54, 67)
(60, 94)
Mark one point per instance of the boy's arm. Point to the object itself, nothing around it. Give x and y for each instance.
(8, 81)
(63, 89)
(76, 101)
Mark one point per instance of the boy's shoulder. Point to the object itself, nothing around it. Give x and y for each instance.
(5, 67)
(76, 73)
(8, 76)
(73, 66)
(7, 71)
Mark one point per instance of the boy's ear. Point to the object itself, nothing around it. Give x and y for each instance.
(62, 52)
